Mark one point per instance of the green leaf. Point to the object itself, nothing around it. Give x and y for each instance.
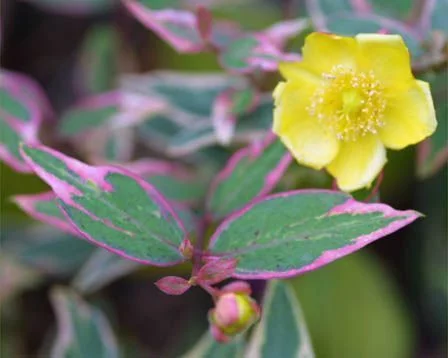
(83, 330)
(177, 189)
(438, 16)
(207, 347)
(111, 208)
(22, 110)
(282, 331)
(295, 232)
(324, 8)
(14, 278)
(48, 250)
(360, 298)
(175, 181)
(156, 131)
(101, 269)
(237, 53)
(349, 25)
(433, 153)
(193, 94)
(89, 115)
(249, 126)
(12, 106)
(98, 59)
(251, 172)
(398, 9)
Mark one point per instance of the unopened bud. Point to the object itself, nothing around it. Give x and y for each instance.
(233, 314)
(186, 249)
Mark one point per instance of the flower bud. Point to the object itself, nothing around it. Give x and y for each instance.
(234, 312)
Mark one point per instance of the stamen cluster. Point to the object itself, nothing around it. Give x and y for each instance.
(348, 103)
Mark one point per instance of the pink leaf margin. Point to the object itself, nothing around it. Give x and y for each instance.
(253, 151)
(28, 204)
(350, 206)
(30, 89)
(30, 95)
(97, 175)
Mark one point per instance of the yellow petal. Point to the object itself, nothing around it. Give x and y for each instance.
(409, 117)
(297, 72)
(293, 95)
(387, 56)
(322, 52)
(305, 138)
(358, 163)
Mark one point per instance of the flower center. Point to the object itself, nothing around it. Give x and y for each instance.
(350, 104)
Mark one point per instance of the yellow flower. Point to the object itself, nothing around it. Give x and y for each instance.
(348, 100)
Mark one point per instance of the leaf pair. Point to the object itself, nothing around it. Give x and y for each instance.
(282, 235)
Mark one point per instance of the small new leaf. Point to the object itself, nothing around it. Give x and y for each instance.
(173, 285)
(216, 271)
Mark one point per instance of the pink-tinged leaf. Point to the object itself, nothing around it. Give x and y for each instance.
(177, 27)
(361, 6)
(319, 10)
(44, 207)
(223, 119)
(227, 106)
(31, 90)
(47, 250)
(182, 29)
(280, 309)
(355, 17)
(90, 114)
(101, 269)
(251, 172)
(99, 126)
(216, 271)
(211, 344)
(254, 52)
(82, 329)
(204, 19)
(281, 32)
(111, 207)
(173, 285)
(22, 110)
(432, 154)
(97, 63)
(288, 234)
(108, 111)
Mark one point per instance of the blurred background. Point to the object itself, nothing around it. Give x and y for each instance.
(390, 300)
